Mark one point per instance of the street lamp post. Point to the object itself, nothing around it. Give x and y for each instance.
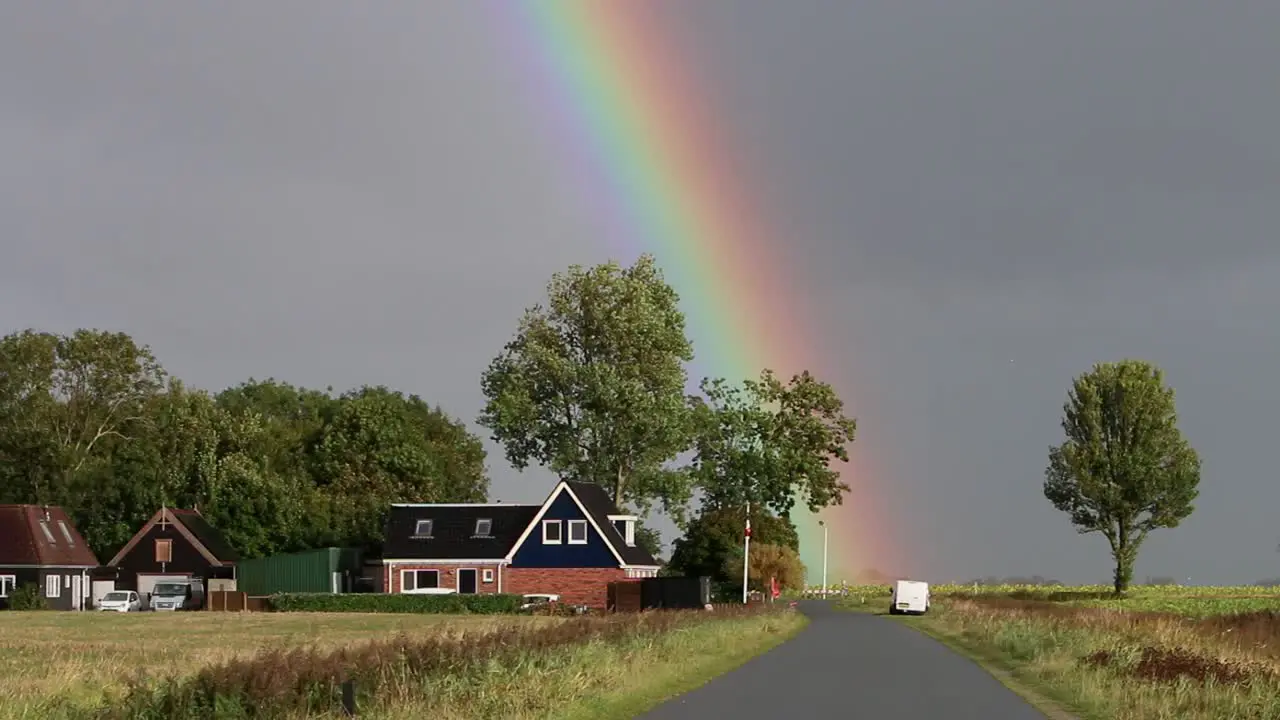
(824, 557)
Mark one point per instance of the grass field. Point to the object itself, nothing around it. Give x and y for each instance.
(1160, 653)
(72, 665)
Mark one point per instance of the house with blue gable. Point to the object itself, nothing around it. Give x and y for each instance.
(572, 545)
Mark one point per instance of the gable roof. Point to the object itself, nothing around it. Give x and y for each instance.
(28, 538)
(190, 524)
(453, 531)
(596, 501)
(597, 507)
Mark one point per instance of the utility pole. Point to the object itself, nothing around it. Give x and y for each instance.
(746, 554)
(824, 557)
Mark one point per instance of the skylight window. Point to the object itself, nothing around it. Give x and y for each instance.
(422, 529)
(66, 533)
(484, 527)
(48, 534)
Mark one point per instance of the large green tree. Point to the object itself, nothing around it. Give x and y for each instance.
(67, 402)
(1124, 469)
(716, 534)
(592, 386)
(766, 442)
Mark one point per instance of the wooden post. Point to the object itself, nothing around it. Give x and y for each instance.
(349, 698)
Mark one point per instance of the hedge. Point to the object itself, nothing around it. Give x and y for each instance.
(397, 603)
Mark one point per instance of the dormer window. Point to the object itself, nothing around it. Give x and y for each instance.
(484, 527)
(626, 527)
(422, 529)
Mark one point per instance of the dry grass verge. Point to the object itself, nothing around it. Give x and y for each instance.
(445, 667)
(1124, 665)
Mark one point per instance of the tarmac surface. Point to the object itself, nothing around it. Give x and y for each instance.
(853, 665)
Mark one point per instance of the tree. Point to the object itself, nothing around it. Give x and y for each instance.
(768, 561)
(66, 401)
(1125, 468)
(716, 535)
(766, 442)
(380, 447)
(592, 385)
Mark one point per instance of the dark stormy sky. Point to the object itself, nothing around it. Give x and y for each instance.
(980, 200)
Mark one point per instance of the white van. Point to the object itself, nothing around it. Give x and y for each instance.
(909, 597)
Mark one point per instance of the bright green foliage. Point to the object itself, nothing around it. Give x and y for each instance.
(27, 596)
(489, 604)
(717, 534)
(88, 422)
(1125, 468)
(592, 385)
(767, 442)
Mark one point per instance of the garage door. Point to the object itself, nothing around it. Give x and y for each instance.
(147, 582)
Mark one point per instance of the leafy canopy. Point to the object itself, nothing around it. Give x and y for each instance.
(767, 442)
(1125, 468)
(592, 385)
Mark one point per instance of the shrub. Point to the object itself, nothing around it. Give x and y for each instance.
(27, 597)
(396, 603)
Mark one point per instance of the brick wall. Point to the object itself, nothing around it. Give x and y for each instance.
(575, 586)
(448, 576)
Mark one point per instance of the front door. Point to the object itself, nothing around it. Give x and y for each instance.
(77, 593)
(467, 582)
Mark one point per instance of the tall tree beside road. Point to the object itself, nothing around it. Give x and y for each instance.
(1125, 469)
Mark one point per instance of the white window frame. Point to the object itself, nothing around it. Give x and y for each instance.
(486, 576)
(52, 586)
(558, 525)
(8, 583)
(488, 527)
(582, 524)
(417, 528)
(417, 589)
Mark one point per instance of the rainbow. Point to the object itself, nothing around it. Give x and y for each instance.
(658, 164)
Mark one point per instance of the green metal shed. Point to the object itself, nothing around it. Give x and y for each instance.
(322, 570)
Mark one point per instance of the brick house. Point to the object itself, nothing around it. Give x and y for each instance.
(39, 544)
(573, 544)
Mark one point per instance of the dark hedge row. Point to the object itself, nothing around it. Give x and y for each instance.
(396, 603)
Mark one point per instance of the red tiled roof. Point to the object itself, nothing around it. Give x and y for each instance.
(27, 538)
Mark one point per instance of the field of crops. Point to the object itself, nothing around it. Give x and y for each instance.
(1190, 600)
(1159, 652)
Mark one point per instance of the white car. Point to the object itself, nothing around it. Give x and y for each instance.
(120, 601)
(534, 600)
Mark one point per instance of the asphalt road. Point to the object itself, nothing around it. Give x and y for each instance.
(853, 665)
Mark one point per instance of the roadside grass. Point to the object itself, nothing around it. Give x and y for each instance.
(266, 665)
(1103, 663)
(74, 658)
(600, 680)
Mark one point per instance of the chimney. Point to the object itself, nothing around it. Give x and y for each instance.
(46, 513)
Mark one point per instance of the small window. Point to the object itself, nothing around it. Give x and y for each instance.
(577, 532)
(551, 532)
(66, 533)
(411, 580)
(422, 529)
(164, 551)
(484, 527)
(488, 575)
(52, 586)
(7, 584)
(48, 534)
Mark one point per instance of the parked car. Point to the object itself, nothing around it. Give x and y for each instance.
(178, 595)
(534, 601)
(120, 601)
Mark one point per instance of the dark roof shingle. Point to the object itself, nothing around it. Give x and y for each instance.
(27, 538)
(208, 535)
(453, 531)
